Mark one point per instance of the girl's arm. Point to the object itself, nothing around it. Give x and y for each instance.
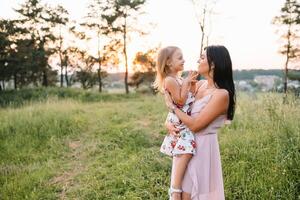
(216, 106)
(179, 93)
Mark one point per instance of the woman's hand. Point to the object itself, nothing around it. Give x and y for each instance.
(172, 129)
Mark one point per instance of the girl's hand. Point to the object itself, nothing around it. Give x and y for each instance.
(172, 129)
(192, 77)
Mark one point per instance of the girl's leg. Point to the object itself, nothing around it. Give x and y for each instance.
(180, 163)
(186, 196)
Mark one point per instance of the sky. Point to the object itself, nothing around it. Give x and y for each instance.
(243, 26)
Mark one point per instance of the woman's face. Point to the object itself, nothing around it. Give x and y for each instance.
(203, 67)
(177, 61)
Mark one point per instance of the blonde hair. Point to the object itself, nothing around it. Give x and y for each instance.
(162, 69)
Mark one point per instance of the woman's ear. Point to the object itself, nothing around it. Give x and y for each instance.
(212, 69)
(212, 66)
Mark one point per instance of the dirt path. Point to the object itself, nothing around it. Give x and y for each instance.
(75, 164)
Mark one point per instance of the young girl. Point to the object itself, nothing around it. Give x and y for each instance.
(169, 62)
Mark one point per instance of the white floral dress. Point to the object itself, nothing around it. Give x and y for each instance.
(185, 143)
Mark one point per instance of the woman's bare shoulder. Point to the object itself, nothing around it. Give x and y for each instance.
(221, 94)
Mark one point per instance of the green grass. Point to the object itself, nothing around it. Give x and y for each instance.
(107, 147)
(13, 98)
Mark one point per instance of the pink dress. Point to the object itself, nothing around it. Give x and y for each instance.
(203, 177)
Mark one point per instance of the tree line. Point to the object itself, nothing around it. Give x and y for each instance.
(44, 34)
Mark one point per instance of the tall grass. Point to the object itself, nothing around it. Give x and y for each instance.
(16, 98)
(261, 149)
(109, 149)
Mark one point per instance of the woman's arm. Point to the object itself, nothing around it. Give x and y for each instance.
(216, 106)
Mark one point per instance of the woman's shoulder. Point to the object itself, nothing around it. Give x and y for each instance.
(221, 94)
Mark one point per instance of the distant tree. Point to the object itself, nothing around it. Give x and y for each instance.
(97, 20)
(59, 18)
(69, 62)
(294, 75)
(144, 67)
(124, 15)
(82, 60)
(251, 73)
(6, 30)
(16, 54)
(85, 63)
(203, 12)
(110, 53)
(38, 19)
(290, 20)
(31, 18)
(86, 78)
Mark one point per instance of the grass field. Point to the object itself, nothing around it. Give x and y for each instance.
(69, 144)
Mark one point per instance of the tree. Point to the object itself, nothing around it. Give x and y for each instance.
(290, 20)
(6, 29)
(124, 11)
(203, 12)
(32, 14)
(30, 36)
(16, 54)
(38, 20)
(97, 20)
(59, 17)
(86, 78)
(144, 67)
(294, 75)
(84, 63)
(110, 53)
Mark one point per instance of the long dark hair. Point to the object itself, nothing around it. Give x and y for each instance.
(218, 56)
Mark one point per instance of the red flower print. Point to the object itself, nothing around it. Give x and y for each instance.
(173, 144)
(180, 147)
(193, 143)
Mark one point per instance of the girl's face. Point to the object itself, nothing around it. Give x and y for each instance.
(177, 61)
(203, 67)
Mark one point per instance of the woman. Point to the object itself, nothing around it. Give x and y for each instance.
(214, 104)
